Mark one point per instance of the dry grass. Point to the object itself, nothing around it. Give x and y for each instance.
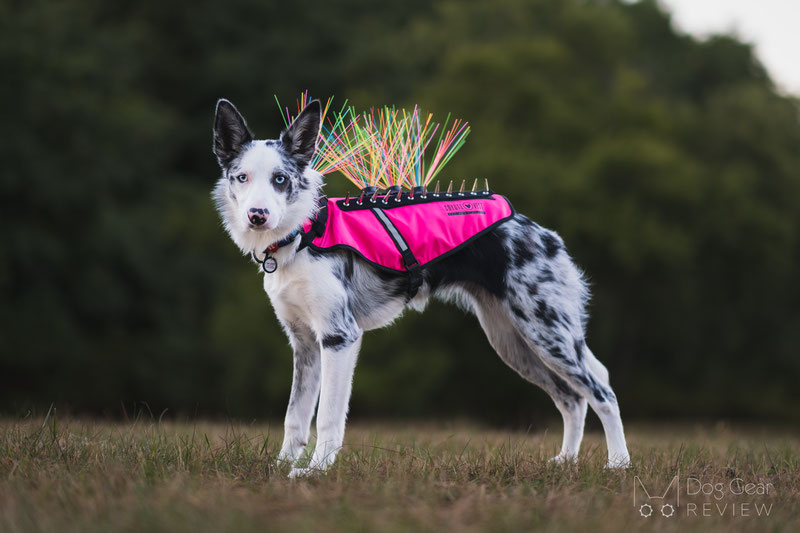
(145, 476)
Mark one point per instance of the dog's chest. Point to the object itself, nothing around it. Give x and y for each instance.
(294, 290)
(313, 292)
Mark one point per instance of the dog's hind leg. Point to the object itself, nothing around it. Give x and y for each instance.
(305, 391)
(567, 356)
(515, 352)
(614, 428)
(545, 300)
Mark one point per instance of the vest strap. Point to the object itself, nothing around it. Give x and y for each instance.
(410, 262)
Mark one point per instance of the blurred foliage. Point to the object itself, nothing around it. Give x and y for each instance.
(669, 165)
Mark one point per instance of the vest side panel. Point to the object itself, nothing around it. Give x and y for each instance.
(436, 228)
(362, 231)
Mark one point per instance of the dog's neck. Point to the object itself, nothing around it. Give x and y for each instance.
(275, 246)
(284, 249)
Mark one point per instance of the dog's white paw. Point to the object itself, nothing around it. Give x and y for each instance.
(305, 472)
(287, 457)
(298, 472)
(292, 449)
(562, 459)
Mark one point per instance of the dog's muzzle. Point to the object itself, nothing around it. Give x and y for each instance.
(257, 217)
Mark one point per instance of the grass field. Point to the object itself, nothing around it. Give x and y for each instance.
(80, 475)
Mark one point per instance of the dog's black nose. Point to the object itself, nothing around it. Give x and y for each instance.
(258, 217)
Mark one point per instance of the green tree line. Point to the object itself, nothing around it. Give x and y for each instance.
(670, 165)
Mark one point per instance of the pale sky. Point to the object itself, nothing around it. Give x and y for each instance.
(773, 26)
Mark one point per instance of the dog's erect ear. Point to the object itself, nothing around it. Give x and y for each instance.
(300, 139)
(230, 133)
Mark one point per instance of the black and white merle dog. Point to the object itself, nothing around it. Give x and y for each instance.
(518, 279)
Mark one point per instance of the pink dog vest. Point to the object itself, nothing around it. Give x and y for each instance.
(406, 235)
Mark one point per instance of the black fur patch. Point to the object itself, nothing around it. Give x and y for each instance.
(348, 267)
(525, 221)
(333, 341)
(546, 314)
(556, 352)
(346, 332)
(598, 394)
(522, 252)
(293, 170)
(598, 391)
(288, 163)
(551, 243)
(517, 311)
(563, 387)
(579, 349)
(546, 276)
(395, 285)
(345, 269)
(533, 288)
(484, 262)
(290, 189)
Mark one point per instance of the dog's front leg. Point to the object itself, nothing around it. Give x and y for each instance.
(305, 391)
(339, 354)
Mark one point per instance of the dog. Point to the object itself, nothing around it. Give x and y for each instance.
(517, 279)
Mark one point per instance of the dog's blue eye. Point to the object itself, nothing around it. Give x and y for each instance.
(242, 178)
(279, 179)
